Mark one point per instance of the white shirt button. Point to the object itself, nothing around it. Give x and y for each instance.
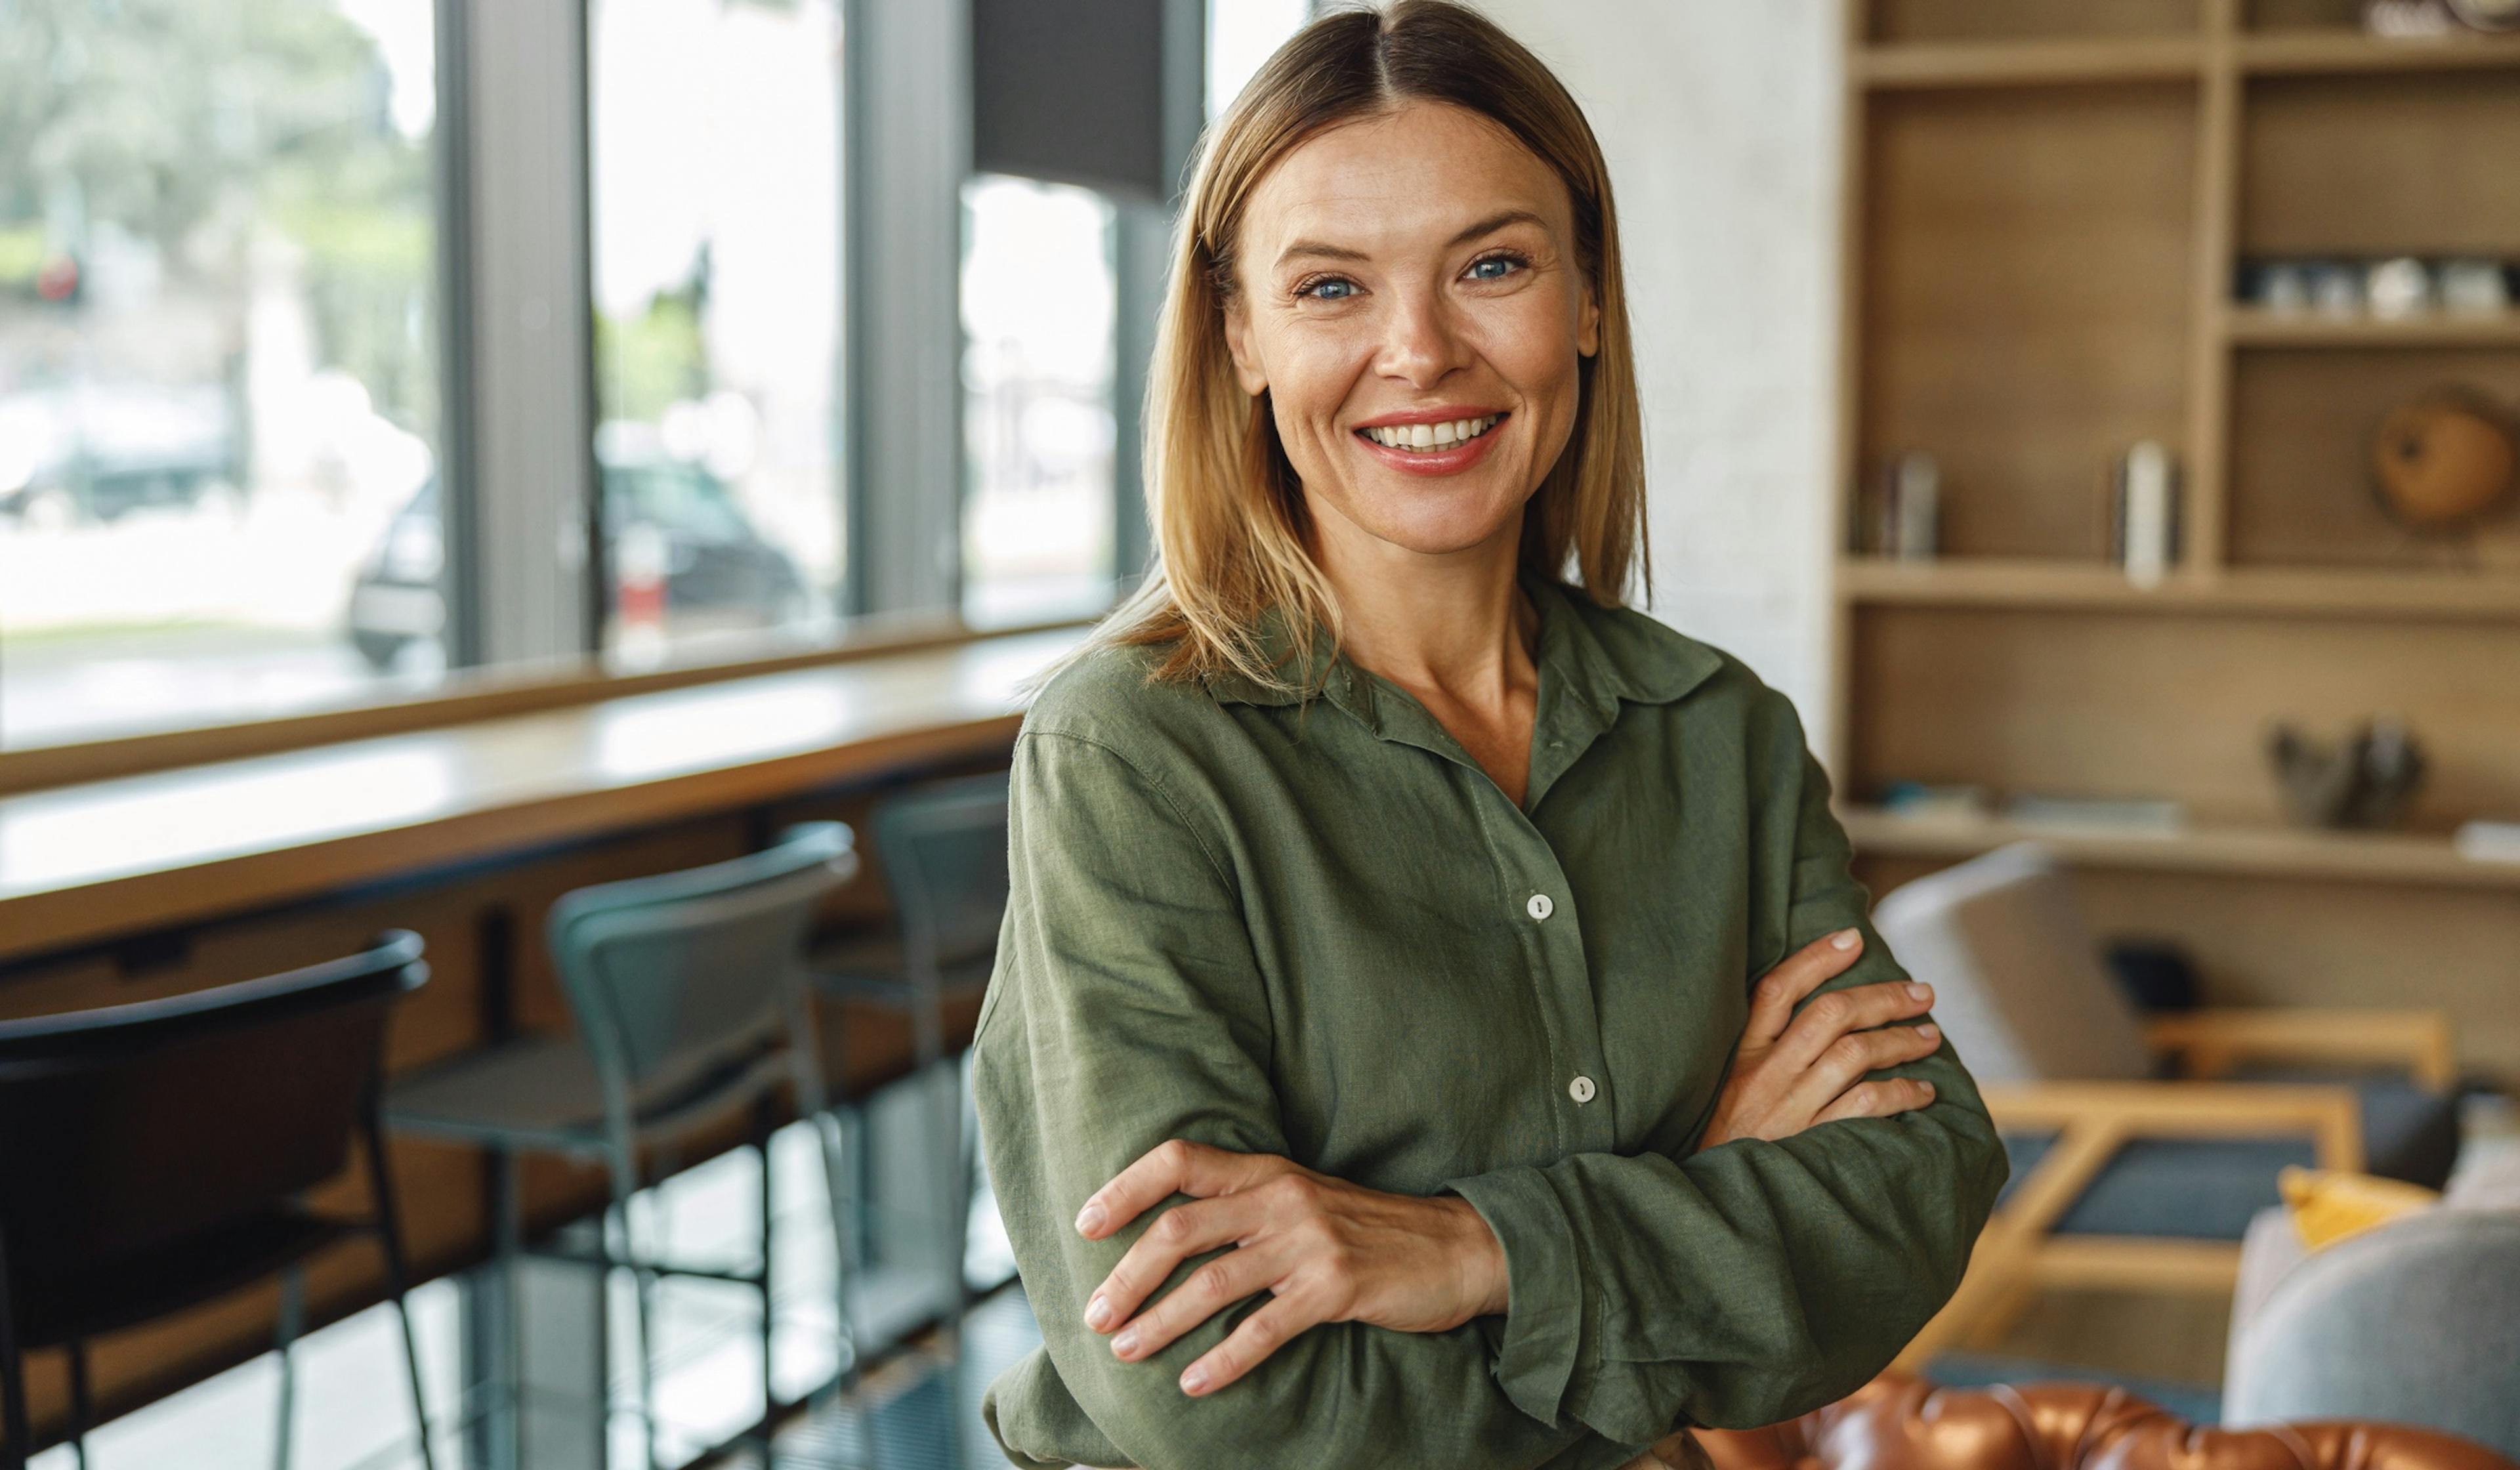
(1581, 1089)
(1540, 905)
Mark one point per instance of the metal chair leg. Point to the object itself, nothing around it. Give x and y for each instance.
(766, 1127)
(625, 1185)
(397, 1273)
(82, 1406)
(16, 1440)
(293, 1317)
(508, 1396)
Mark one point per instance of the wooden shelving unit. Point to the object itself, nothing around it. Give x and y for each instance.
(1996, 582)
(2247, 326)
(2396, 858)
(2047, 202)
(2024, 63)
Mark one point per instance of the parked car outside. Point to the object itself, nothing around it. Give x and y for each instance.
(719, 572)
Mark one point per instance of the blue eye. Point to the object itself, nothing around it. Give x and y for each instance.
(1331, 289)
(1505, 265)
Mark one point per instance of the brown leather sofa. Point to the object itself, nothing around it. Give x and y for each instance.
(1901, 1423)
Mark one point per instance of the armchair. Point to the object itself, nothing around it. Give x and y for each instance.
(2126, 1174)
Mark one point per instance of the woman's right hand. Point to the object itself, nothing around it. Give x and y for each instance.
(1792, 1071)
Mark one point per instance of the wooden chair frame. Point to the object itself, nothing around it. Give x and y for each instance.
(2021, 1252)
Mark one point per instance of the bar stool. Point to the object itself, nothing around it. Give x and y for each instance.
(686, 991)
(153, 1155)
(944, 850)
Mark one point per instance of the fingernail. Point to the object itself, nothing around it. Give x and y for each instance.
(1126, 1343)
(1920, 992)
(1090, 1218)
(1193, 1379)
(1844, 939)
(1928, 1087)
(1930, 1032)
(1098, 1313)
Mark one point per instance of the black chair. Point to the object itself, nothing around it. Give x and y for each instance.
(151, 1157)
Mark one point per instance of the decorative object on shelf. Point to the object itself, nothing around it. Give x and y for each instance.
(2129, 815)
(2475, 287)
(2282, 285)
(2143, 512)
(2445, 462)
(2488, 15)
(2482, 841)
(2364, 781)
(2407, 18)
(2335, 287)
(1901, 515)
(2398, 287)
(1927, 800)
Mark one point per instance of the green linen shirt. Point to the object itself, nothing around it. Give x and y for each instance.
(1316, 928)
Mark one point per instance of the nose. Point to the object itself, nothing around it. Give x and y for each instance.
(1421, 343)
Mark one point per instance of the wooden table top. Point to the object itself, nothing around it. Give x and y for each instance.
(85, 863)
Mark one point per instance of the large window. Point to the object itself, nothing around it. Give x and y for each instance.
(218, 371)
(1038, 303)
(1242, 36)
(715, 140)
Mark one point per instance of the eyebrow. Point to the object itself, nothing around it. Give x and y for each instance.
(1317, 250)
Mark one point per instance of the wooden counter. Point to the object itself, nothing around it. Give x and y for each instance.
(86, 862)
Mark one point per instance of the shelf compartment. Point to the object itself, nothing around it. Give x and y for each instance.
(2026, 19)
(2401, 164)
(2349, 52)
(2253, 327)
(2300, 490)
(2071, 702)
(1998, 583)
(2001, 64)
(2026, 269)
(2413, 857)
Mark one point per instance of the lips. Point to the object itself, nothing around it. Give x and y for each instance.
(1453, 442)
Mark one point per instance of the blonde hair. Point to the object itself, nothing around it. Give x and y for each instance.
(1229, 516)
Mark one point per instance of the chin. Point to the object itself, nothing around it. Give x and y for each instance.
(1439, 530)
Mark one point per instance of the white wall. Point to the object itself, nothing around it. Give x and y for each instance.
(1722, 122)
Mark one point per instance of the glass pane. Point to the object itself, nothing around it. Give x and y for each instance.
(1038, 429)
(717, 297)
(219, 361)
(1242, 35)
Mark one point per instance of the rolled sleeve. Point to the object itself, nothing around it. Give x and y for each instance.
(1543, 1283)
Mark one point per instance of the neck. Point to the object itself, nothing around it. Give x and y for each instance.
(1455, 624)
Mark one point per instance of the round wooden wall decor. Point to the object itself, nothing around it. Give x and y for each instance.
(2444, 460)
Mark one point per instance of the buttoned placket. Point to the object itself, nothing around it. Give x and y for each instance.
(1543, 912)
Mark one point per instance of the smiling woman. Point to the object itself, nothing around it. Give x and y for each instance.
(1434, 1023)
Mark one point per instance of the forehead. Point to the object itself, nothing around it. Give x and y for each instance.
(1397, 181)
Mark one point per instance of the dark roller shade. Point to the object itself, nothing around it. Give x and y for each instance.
(1071, 91)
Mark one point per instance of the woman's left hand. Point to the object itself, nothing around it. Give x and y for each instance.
(1326, 1251)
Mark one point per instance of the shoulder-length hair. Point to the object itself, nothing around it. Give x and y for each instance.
(1229, 516)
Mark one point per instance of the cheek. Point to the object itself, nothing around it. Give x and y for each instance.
(1530, 341)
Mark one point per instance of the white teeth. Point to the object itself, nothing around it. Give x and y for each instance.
(1431, 435)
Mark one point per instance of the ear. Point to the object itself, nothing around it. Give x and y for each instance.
(1588, 324)
(1238, 341)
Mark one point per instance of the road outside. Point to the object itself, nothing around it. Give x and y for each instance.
(181, 617)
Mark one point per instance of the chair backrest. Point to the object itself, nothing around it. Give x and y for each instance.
(132, 1127)
(673, 976)
(944, 848)
(2418, 1321)
(2019, 986)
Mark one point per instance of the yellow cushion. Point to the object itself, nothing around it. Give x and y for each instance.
(2330, 1205)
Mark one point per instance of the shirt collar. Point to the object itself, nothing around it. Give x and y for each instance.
(1589, 655)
